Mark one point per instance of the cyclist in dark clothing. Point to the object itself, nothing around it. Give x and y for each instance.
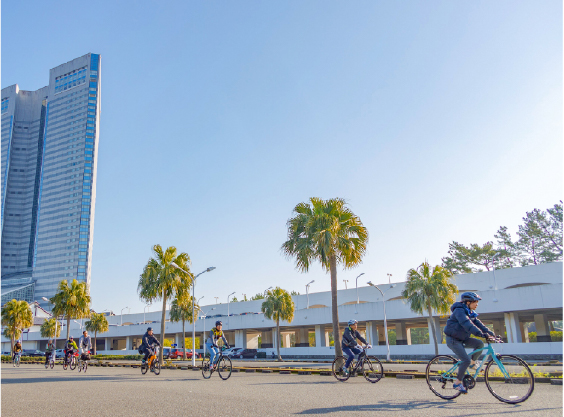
(350, 345)
(146, 342)
(461, 324)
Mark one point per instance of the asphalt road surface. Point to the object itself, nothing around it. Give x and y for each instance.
(33, 390)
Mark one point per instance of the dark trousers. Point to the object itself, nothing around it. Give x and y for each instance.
(459, 348)
(350, 352)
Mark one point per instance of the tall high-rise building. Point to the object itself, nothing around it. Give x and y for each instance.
(49, 158)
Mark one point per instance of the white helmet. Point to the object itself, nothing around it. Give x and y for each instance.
(351, 322)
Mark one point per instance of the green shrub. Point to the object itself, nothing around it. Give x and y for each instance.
(117, 357)
(555, 336)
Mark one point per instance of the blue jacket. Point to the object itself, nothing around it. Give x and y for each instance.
(460, 326)
(349, 338)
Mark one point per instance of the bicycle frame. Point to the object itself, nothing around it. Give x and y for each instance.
(451, 373)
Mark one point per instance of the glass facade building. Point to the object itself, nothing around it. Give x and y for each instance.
(49, 157)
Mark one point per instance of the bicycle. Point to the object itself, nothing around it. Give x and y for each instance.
(223, 366)
(153, 362)
(508, 377)
(51, 361)
(82, 362)
(370, 365)
(70, 360)
(17, 359)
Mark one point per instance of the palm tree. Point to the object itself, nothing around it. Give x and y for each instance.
(97, 324)
(47, 329)
(328, 232)
(72, 302)
(16, 316)
(278, 305)
(427, 290)
(161, 280)
(181, 310)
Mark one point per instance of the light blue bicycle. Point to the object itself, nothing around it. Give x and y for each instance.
(508, 378)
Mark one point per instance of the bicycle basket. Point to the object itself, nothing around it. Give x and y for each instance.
(85, 357)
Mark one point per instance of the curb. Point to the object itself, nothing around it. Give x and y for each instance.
(555, 382)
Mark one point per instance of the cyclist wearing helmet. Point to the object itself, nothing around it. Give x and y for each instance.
(213, 338)
(350, 345)
(461, 324)
(146, 342)
(17, 349)
(70, 347)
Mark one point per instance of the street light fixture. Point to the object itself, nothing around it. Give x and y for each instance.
(121, 322)
(307, 291)
(357, 298)
(146, 307)
(345, 281)
(211, 268)
(228, 320)
(56, 323)
(385, 320)
(216, 298)
(265, 291)
(389, 278)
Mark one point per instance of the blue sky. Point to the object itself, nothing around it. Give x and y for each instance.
(436, 121)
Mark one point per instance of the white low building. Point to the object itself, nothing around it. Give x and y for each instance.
(511, 300)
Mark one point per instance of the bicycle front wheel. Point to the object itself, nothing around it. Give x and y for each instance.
(440, 375)
(224, 368)
(65, 365)
(52, 364)
(156, 366)
(18, 361)
(72, 364)
(338, 369)
(509, 379)
(372, 369)
(206, 372)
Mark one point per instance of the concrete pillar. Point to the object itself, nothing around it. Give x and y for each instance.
(320, 336)
(129, 343)
(109, 343)
(302, 338)
(266, 339)
(381, 335)
(286, 340)
(438, 330)
(512, 327)
(543, 329)
(499, 329)
(371, 333)
(241, 338)
(275, 341)
(524, 332)
(252, 341)
(178, 340)
(402, 337)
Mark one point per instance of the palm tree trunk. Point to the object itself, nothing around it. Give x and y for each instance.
(433, 329)
(334, 307)
(12, 342)
(184, 340)
(163, 322)
(68, 327)
(95, 333)
(278, 339)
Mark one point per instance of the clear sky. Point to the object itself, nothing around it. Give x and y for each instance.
(436, 120)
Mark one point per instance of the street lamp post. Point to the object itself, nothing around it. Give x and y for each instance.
(345, 281)
(216, 298)
(146, 307)
(121, 322)
(389, 278)
(493, 270)
(211, 268)
(307, 291)
(228, 320)
(385, 320)
(204, 315)
(56, 323)
(357, 298)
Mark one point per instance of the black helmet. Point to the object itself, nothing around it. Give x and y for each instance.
(470, 296)
(218, 323)
(149, 329)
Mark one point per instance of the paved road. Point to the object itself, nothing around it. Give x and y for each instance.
(31, 390)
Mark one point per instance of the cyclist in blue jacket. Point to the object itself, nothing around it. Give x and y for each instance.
(462, 323)
(349, 344)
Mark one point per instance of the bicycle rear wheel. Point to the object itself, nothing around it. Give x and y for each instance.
(72, 365)
(65, 364)
(338, 366)
(52, 364)
(224, 368)
(85, 366)
(18, 359)
(510, 380)
(372, 369)
(439, 379)
(206, 372)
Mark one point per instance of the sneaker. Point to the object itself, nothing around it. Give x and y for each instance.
(461, 388)
(476, 365)
(345, 371)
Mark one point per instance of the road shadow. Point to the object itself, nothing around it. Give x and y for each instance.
(423, 405)
(298, 383)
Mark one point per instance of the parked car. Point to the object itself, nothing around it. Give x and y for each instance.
(232, 351)
(189, 354)
(32, 352)
(178, 353)
(60, 353)
(246, 354)
(166, 352)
